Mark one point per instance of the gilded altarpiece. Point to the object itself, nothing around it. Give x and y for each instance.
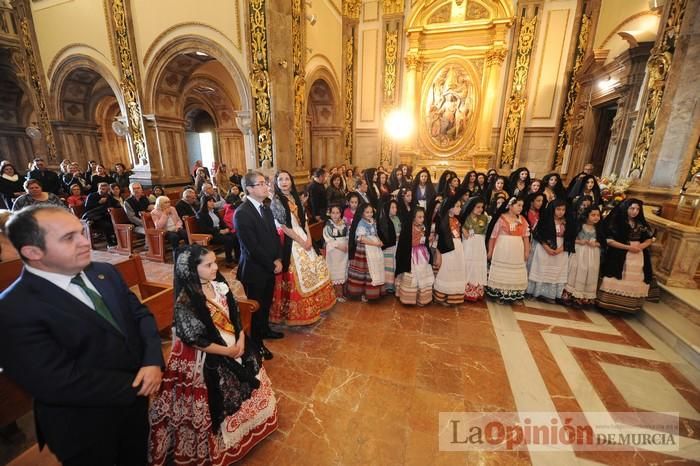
(393, 26)
(351, 17)
(450, 90)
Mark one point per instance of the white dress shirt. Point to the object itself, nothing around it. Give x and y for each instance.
(256, 204)
(63, 281)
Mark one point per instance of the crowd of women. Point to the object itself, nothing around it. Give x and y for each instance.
(484, 235)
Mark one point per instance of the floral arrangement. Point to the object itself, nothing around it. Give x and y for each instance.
(613, 190)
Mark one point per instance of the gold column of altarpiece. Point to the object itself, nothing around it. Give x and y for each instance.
(299, 70)
(260, 78)
(393, 26)
(351, 16)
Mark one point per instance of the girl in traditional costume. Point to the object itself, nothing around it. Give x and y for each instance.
(215, 402)
(366, 260)
(584, 265)
(335, 234)
(474, 224)
(626, 269)
(414, 274)
(549, 267)
(451, 277)
(508, 249)
(389, 228)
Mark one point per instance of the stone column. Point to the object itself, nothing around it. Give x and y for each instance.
(484, 152)
(393, 27)
(121, 26)
(409, 100)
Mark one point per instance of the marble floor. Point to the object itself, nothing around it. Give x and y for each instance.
(366, 383)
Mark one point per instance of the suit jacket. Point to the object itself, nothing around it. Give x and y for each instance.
(317, 199)
(49, 180)
(206, 223)
(260, 245)
(76, 365)
(186, 210)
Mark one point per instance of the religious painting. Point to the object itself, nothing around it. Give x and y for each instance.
(449, 106)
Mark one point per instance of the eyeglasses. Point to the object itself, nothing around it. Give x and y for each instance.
(264, 183)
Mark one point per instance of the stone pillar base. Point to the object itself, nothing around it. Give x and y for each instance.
(676, 252)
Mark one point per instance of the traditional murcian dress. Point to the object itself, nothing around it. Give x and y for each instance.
(548, 274)
(182, 431)
(507, 279)
(584, 266)
(336, 234)
(305, 290)
(390, 258)
(416, 286)
(366, 268)
(627, 291)
(475, 256)
(451, 278)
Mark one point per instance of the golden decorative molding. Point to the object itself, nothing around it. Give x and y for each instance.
(657, 68)
(390, 55)
(495, 56)
(348, 82)
(516, 103)
(572, 93)
(128, 82)
(393, 7)
(260, 79)
(54, 62)
(352, 8)
(299, 70)
(413, 61)
(36, 81)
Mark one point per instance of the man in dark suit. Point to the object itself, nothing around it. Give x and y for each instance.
(261, 255)
(317, 195)
(96, 206)
(49, 180)
(187, 206)
(82, 345)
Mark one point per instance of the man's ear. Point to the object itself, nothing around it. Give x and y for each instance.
(32, 253)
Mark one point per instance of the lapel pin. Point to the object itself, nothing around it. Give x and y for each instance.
(101, 277)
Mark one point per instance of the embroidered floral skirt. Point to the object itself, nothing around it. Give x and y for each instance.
(181, 430)
(507, 279)
(416, 286)
(475, 266)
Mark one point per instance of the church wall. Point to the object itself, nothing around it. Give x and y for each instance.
(323, 40)
(547, 84)
(157, 22)
(58, 37)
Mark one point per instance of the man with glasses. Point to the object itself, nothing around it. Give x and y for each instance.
(261, 255)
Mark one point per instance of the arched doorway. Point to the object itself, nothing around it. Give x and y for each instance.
(87, 106)
(194, 95)
(16, 114)
(324, 136)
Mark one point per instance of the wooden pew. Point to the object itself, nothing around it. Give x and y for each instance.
(194, 233)
(246, 307)
(155, 239)
(124, 230)
(158, 297)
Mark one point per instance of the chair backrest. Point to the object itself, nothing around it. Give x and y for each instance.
(316, 230)
(191, 225)
(174, 196)
(132, 271)
(118, 215)
(9, 272)
(78, 210)
(148, 222)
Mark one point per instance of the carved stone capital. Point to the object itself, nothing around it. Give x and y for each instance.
(413, 61)
(495, 56)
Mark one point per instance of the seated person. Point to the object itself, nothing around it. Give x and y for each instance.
(135, 204)
(36, 195)
(208, 190)
(100, 175)
(76, 198)
(96, 206)
(116, 191)
(210, 223)
(49, 180)
(188, 205)
(75, 177)
(165, 217)
(156, 192)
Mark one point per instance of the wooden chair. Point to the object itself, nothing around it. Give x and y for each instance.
(316, 230)
(157, 297)
(174, 196)
(14, 402)
(246, 307)
(194, 233)
(124, 231)
(155, 239)
(78, 211)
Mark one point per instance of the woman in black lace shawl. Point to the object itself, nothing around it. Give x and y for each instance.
(215, 401)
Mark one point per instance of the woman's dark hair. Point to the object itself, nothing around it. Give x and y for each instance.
(582, 219)
(334, 177)
(371, 185)
(497, 215)
(576, 206)
(492, 206)
(394, 182)
(530, 199)
(429, 188)
(203, 208)
(385, 226)
(545, 232)
(335, 206)
(469, 206)
(285, 202)
(558, 189)
(157, 187)
(515, 177)
(579, 187)
(359, 214)
(352, 194)
(492, 186)
(541, 190)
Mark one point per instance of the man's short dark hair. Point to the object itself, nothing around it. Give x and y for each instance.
(250, 178)
(319, 172)
(23, 229)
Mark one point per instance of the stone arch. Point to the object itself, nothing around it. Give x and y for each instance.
(86, 99)
(192, 72)
(324, 130)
